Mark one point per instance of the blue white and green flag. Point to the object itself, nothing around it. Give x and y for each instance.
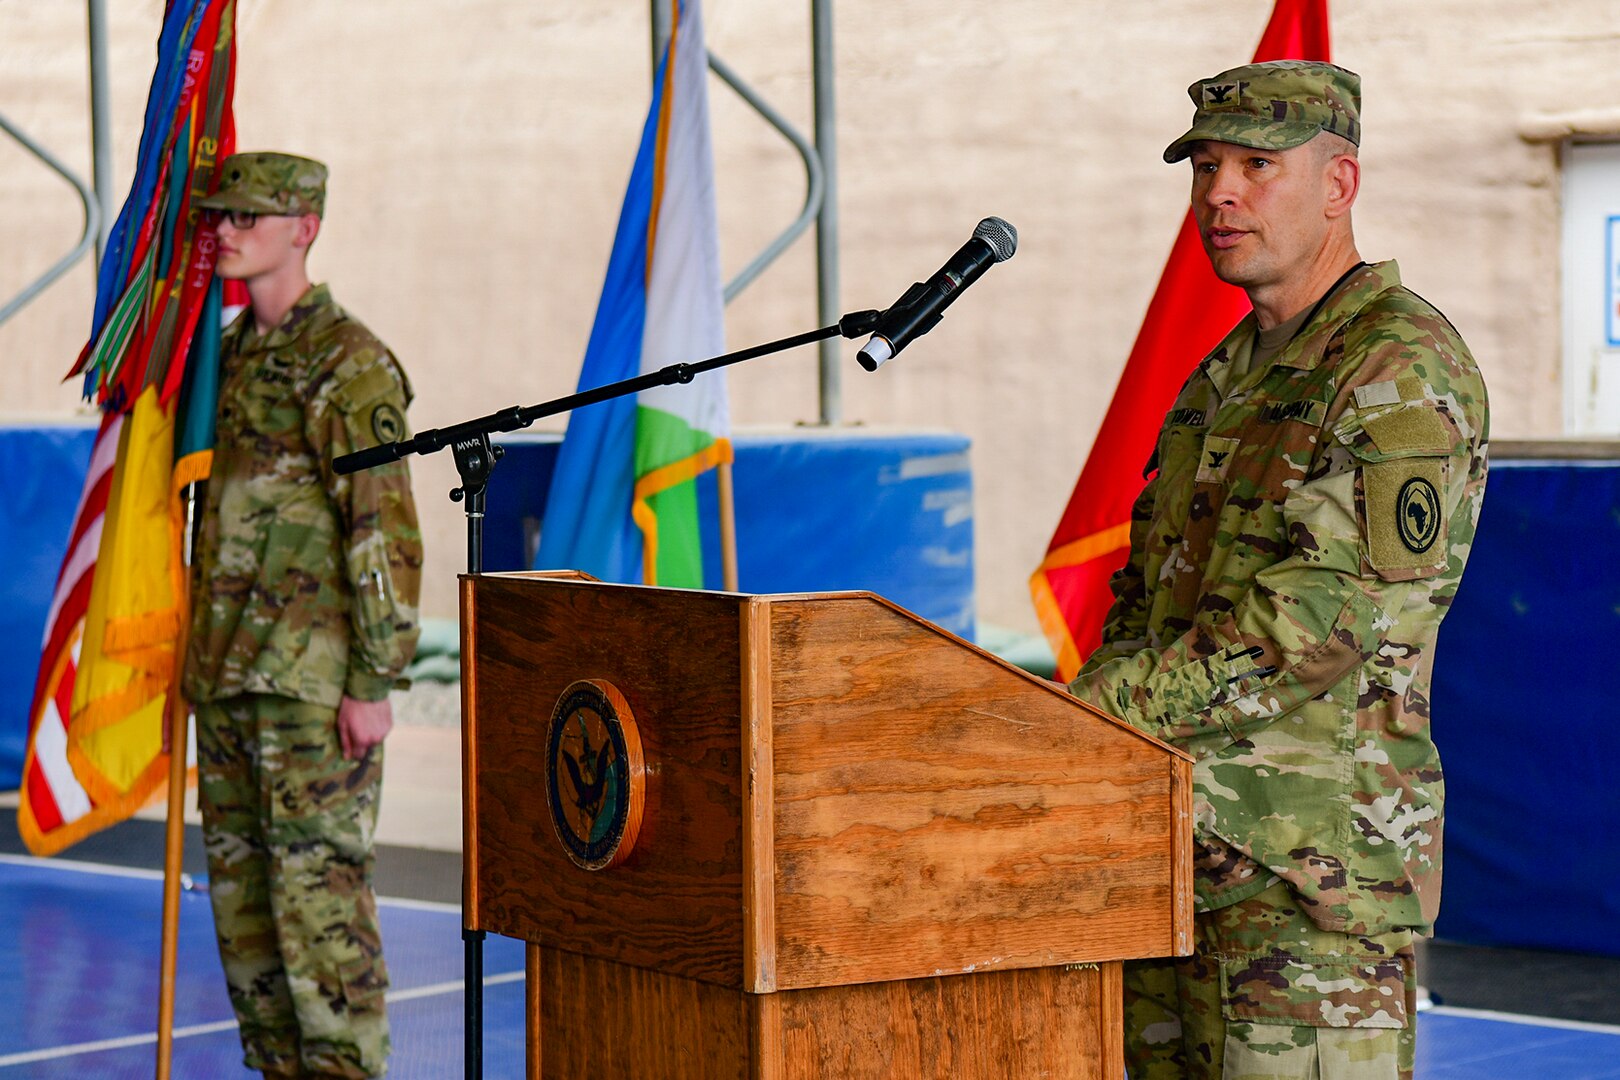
(623, 503)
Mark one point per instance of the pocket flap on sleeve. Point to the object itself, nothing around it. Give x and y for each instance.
(1420, 430)
(354, 393)
(1411, 429)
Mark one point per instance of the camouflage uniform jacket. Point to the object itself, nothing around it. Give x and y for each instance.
(305, 582)
(1290, 562)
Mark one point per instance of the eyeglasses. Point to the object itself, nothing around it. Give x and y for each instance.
(239, 219)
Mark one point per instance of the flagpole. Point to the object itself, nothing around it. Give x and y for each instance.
(174, 839)
(728, 528)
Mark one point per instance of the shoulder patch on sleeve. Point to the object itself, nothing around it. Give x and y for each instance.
(387, 422)
(366, 391)
(1405, 517)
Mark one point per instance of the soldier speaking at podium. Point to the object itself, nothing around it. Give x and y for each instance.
(304, 613)
(1309, 508)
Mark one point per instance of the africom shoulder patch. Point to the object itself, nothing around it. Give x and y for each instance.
(1406, 517)
(387, 423)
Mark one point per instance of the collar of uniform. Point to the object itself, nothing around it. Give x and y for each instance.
(316, 299)
(238, 331)
(1310, 344)
(1218, 364)
(1305, 351)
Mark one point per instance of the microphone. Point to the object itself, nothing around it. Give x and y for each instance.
(916, 313)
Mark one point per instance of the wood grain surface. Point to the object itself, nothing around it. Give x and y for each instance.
(1111, 1019)
(605, 1020)
(940, 812)
(675, 904)
(1042, 1022)
(1181, 843)
(533, 1016)
(759, 810)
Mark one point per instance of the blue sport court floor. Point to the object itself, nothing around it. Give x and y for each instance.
(79, 945)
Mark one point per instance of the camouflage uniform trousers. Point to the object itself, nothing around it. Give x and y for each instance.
(1267, 994)
(289, 823)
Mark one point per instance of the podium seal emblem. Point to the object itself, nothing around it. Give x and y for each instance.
(595, 777)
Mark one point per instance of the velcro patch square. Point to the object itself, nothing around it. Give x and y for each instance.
(1413, 428)
(1375, 394)
(1222, 95)
(1216, 458)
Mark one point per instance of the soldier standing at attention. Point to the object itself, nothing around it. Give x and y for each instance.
(1309, 508)
(303, 616)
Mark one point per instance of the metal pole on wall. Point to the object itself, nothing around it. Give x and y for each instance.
(827, 299)
(663, 18)
(101, 153)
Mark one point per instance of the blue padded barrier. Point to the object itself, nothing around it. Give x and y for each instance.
(43, 467)
(1525, 715)
(817, 510)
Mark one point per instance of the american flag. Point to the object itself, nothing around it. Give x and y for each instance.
(54, 809)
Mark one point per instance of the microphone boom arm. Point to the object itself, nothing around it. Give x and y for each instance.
(517, 417)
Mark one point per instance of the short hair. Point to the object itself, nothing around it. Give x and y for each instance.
(1328, 145)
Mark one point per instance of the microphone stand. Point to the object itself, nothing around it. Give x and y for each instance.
(476, 456)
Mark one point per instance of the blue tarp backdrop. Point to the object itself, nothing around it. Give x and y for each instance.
(1524, 715)
(817, 511)
(43, 469)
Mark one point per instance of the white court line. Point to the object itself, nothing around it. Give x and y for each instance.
(48, 863)
(436, 989)
(45, 863)
(1520, 1018)
(420, 905)
(52, 1053)
(455, 986)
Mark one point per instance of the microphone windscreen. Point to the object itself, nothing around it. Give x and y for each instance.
(1001, 237)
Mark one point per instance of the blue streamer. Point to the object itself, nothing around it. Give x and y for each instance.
(180, 27)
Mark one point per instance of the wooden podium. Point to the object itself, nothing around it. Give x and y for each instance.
(866, 847)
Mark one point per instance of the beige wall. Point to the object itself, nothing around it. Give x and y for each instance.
(479, 152)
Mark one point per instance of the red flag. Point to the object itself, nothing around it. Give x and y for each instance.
(1190, 312)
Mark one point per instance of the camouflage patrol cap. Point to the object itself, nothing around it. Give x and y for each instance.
(1273, 106)
(269, 183)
